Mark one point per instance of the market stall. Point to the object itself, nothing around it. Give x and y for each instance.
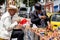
(42, 33)
(46, 35)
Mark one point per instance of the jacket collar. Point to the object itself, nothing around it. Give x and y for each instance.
(8, 14)
(35, 13)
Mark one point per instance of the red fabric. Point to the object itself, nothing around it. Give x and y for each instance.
(23, 21)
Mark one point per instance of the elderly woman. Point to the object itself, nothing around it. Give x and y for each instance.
(8, 25)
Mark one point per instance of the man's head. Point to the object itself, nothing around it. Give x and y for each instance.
(38, 7)
(12, 10)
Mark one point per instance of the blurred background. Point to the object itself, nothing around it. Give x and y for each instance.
(28, 5)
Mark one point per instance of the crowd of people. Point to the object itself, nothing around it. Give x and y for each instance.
(10, 29)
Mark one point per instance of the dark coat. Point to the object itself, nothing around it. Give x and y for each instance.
(35, 18)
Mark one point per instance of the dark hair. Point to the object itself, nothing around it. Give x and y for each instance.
(38, 6)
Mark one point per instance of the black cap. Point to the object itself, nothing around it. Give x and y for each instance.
(38, 6)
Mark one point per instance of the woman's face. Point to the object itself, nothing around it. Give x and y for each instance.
(12, 11)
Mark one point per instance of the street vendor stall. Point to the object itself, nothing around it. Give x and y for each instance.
(42, 33)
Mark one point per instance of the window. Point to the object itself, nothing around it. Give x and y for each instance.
(56, 17)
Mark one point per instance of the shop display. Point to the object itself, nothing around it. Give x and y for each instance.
(48, 35)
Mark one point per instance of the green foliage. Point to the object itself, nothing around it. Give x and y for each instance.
(2, 1)
(31, 2)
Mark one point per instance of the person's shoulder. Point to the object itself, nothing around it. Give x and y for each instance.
(4, 15)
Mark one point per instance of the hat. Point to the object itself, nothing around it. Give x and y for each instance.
(38, 6)
(12, 7)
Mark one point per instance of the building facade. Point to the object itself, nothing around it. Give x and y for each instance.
(48, 4)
